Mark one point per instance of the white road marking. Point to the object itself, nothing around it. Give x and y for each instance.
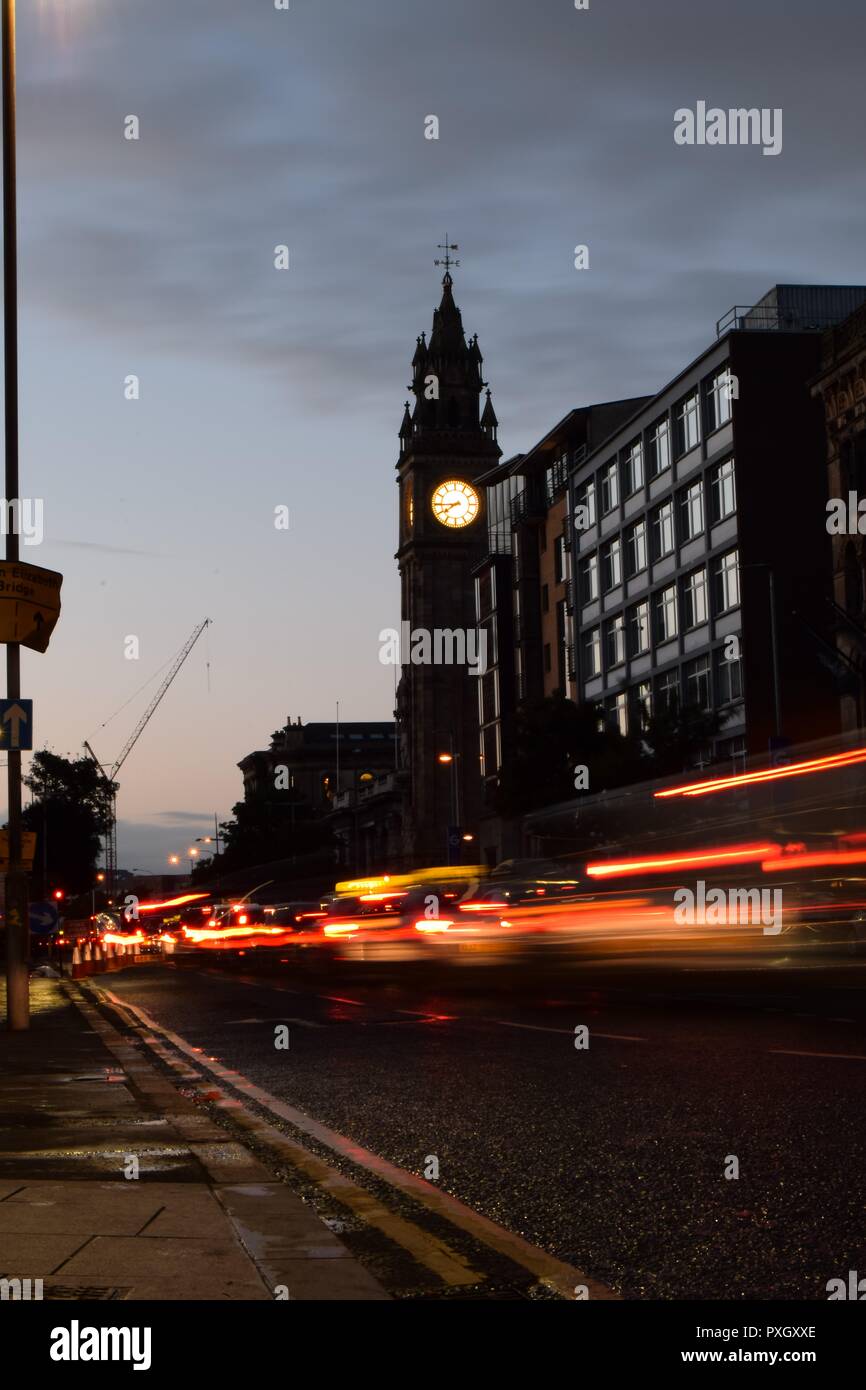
(301, 1022)
(837, 1056)
(569, 1032)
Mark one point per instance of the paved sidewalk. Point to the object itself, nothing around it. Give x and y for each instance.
(204, 1219)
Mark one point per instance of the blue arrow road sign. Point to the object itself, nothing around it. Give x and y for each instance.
(43, 917)
(16, 724)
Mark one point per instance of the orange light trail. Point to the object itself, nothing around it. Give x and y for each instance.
(172, 902)
(815, 860)
(708, 858)
(769, 774)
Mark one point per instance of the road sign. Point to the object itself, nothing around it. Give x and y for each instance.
(16, 724)
(43, 918)
(29, 603)
(28, 848)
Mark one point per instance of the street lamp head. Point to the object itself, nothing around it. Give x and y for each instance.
(446, 757)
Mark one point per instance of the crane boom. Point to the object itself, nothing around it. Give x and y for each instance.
(145, 718)
(111, 837)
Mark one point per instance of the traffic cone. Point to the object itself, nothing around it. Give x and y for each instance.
(98, 961)
(111, 961)
(77, 967)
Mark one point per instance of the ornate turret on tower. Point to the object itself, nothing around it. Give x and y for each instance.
(489, 422)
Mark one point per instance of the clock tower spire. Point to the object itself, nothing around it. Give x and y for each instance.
(446, 446)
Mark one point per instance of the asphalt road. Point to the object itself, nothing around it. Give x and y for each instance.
(611, 1157)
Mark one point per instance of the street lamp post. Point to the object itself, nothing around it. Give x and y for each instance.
(17, 925)
(450, 758)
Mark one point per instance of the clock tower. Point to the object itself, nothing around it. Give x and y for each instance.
(447, 443)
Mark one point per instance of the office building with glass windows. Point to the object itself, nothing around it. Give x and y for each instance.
(698, 546)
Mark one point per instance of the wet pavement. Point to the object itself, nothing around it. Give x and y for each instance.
(113, 1185)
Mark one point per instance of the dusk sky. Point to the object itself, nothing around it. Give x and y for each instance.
(262, 387)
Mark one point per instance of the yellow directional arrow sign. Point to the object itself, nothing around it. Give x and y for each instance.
(29, 603)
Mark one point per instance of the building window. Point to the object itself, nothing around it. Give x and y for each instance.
(726, 582)
(609, 489)
(615, 640)
(619, 714)
(659, 447)
(719, 394)
(667, 696)
(562, 644)
(640, 702)
(695, 598)
(592, 652)
(585, 510)
(666, 613)
(697, 683)
(638, 629)
(853, 582)
(635, 548)
(663, 530)
(611, 564)
(691, 512)
(561, 560)
(734, 749)
(489, 709)
(589, 578)
(688, 424)
(555, 477)
(633, 468)
(724, 491)
(729, 678)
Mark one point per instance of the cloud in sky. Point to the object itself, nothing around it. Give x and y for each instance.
(260, 127)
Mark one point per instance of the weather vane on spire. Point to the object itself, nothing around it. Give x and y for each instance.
(446, 260)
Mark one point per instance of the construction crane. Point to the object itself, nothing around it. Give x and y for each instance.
(109, 777)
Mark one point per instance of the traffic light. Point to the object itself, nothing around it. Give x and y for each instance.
(58, 894)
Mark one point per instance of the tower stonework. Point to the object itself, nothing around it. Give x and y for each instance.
(445, 439)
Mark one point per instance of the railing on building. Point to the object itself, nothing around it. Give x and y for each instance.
(528, 505)
(764, 318)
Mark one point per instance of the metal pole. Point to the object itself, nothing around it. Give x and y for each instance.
(455, 782)
(17, 924)
(774, 640)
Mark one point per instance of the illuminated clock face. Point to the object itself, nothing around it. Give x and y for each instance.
(455, 503)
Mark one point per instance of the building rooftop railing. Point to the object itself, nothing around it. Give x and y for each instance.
(769, 318)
